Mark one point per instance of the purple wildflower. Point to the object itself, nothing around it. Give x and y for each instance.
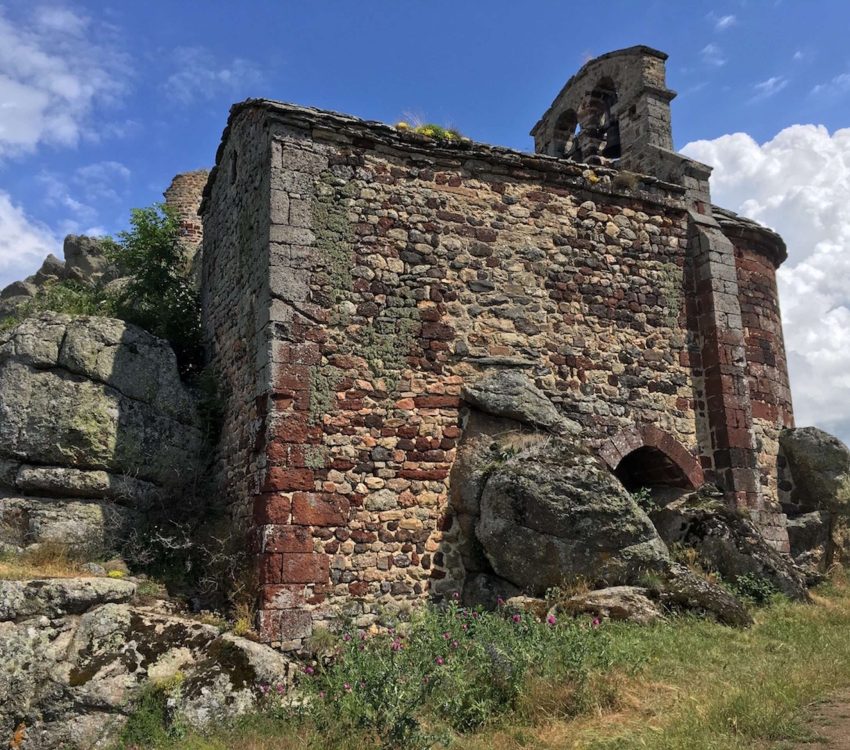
(550, 619)
(440, 661)
(346, 687)
(516, 618)
(280, 688)
(309, 670)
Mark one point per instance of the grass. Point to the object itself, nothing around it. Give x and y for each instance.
(685, 684)
(45, 561)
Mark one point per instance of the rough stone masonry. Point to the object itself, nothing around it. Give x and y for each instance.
(355, 277)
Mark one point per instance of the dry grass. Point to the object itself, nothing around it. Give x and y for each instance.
(45, 561)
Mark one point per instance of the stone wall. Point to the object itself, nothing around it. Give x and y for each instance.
(234, 292)
(399, 269)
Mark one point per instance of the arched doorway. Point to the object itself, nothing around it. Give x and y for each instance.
(648, 457)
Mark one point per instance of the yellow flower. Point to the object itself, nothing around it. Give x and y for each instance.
(402, 125)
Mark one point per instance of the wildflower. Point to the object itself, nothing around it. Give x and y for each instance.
(455, 644)
(446, 636)
(596, 622)
(440, 661)
(280, 688)
(500, 602)
(346, 687)
(321, 693)
(465, 626)
(550, 619)
(402, 126)
(516, 618)
(309, 670)
(264, 688)
(396, 645)
(346, 637)
(456, 595)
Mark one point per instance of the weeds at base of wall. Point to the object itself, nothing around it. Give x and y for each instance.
(639, 687)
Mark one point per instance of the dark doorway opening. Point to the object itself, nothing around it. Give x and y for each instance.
(650, 468)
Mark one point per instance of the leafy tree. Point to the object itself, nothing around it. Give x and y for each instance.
(160, 295)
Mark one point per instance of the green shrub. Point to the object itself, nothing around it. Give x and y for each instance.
(754, 589)
(67, 297)
(160, 295)
(450, 666)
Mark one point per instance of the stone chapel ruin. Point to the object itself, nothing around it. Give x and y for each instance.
(357, 277)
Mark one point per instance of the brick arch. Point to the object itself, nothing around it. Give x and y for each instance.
(615, 449)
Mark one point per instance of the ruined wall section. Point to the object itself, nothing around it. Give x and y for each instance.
(401, 269)
(184, 195)
(235, 300)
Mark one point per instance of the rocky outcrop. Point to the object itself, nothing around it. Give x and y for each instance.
(726, 542)
(552, 511)
(94, 425)
(86, 263)
(75, 654)
(512, 395)
(819, 464)
(817, 469)
(631, 603)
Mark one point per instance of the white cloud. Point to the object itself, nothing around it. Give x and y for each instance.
(199, 76)
(768, 88)
(713, 55)
(24, 243)
(799, 184)
(53, 72)
(724, 22)
(837, 86)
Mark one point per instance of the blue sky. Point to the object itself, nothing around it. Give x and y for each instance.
(101, 103)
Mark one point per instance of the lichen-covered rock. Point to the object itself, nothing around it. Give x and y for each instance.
(808, 531)
(74, 656)
(86, 261)
(631, 603)
(726, 542)
(56, 597)
(819, 464)
(513, 395)
(91, 409)
(682, 589)
(552, 512)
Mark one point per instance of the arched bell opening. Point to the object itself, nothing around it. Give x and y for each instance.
(563, 136)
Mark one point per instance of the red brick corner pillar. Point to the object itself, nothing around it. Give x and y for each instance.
(728, 410)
